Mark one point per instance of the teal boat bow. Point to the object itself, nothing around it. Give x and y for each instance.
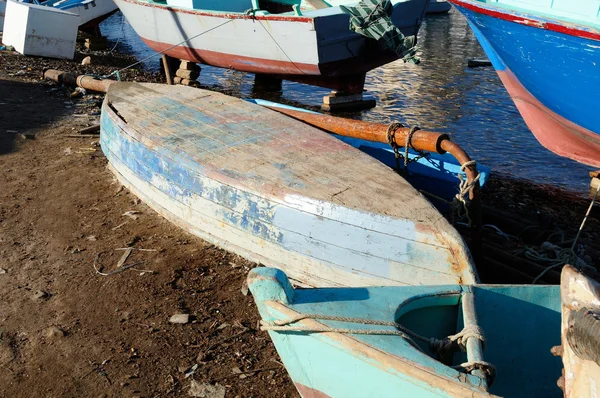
(333, 350)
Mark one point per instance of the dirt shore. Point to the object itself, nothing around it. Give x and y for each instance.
(67, 330)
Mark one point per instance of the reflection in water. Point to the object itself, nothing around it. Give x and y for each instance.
(440, 94)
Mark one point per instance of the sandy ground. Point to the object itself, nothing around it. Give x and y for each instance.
(66, 330)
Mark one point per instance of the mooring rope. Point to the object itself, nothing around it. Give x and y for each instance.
(568, 255)
(121, 35)
(390, 136)
(464, 188)
(437, 345)
(117, 73)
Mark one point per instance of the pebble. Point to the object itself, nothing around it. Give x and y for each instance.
(86, 61)
(180, 318)
(54, 333)
(2, 271)
(244, 289)
(40, 295)
(203, 390)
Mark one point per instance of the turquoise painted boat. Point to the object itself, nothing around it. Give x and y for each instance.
(408, 341)
(275, 190)
(437, 175)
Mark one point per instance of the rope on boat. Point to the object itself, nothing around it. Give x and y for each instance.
(487, 368)
(460, 201)
(391, 139)
(437, 346)
(117, 73)
(567, 256)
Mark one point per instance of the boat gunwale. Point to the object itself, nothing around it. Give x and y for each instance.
(457, 384)
(529, 19)
(226, 15)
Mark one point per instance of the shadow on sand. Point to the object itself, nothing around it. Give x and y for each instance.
(24, 109)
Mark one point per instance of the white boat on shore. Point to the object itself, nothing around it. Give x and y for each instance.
(265, 37)
(91, 12)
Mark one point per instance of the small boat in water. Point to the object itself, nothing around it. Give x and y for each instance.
(547, 54)
(276, 37)
(413, 341)
(276, 190)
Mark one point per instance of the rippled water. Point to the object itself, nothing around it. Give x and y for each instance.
(441, 94)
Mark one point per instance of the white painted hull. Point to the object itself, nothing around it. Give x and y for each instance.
(89, 10)
(318, 43)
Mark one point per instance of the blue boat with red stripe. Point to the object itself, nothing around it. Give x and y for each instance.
(547, 54)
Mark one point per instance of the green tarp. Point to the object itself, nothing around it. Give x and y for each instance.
(372, 19)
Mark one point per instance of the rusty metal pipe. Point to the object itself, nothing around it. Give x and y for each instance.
(420, 141)
(83, 81)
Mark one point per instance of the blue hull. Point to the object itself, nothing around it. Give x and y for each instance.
(550, 68)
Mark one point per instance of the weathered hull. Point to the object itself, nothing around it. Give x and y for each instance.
(520, 324)
(551, 70)
(275, 190)
(318, 48)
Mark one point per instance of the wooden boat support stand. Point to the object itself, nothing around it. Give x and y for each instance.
(419, 140)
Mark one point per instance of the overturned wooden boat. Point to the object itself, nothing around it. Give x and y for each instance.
(413, 341)
(276, 190)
